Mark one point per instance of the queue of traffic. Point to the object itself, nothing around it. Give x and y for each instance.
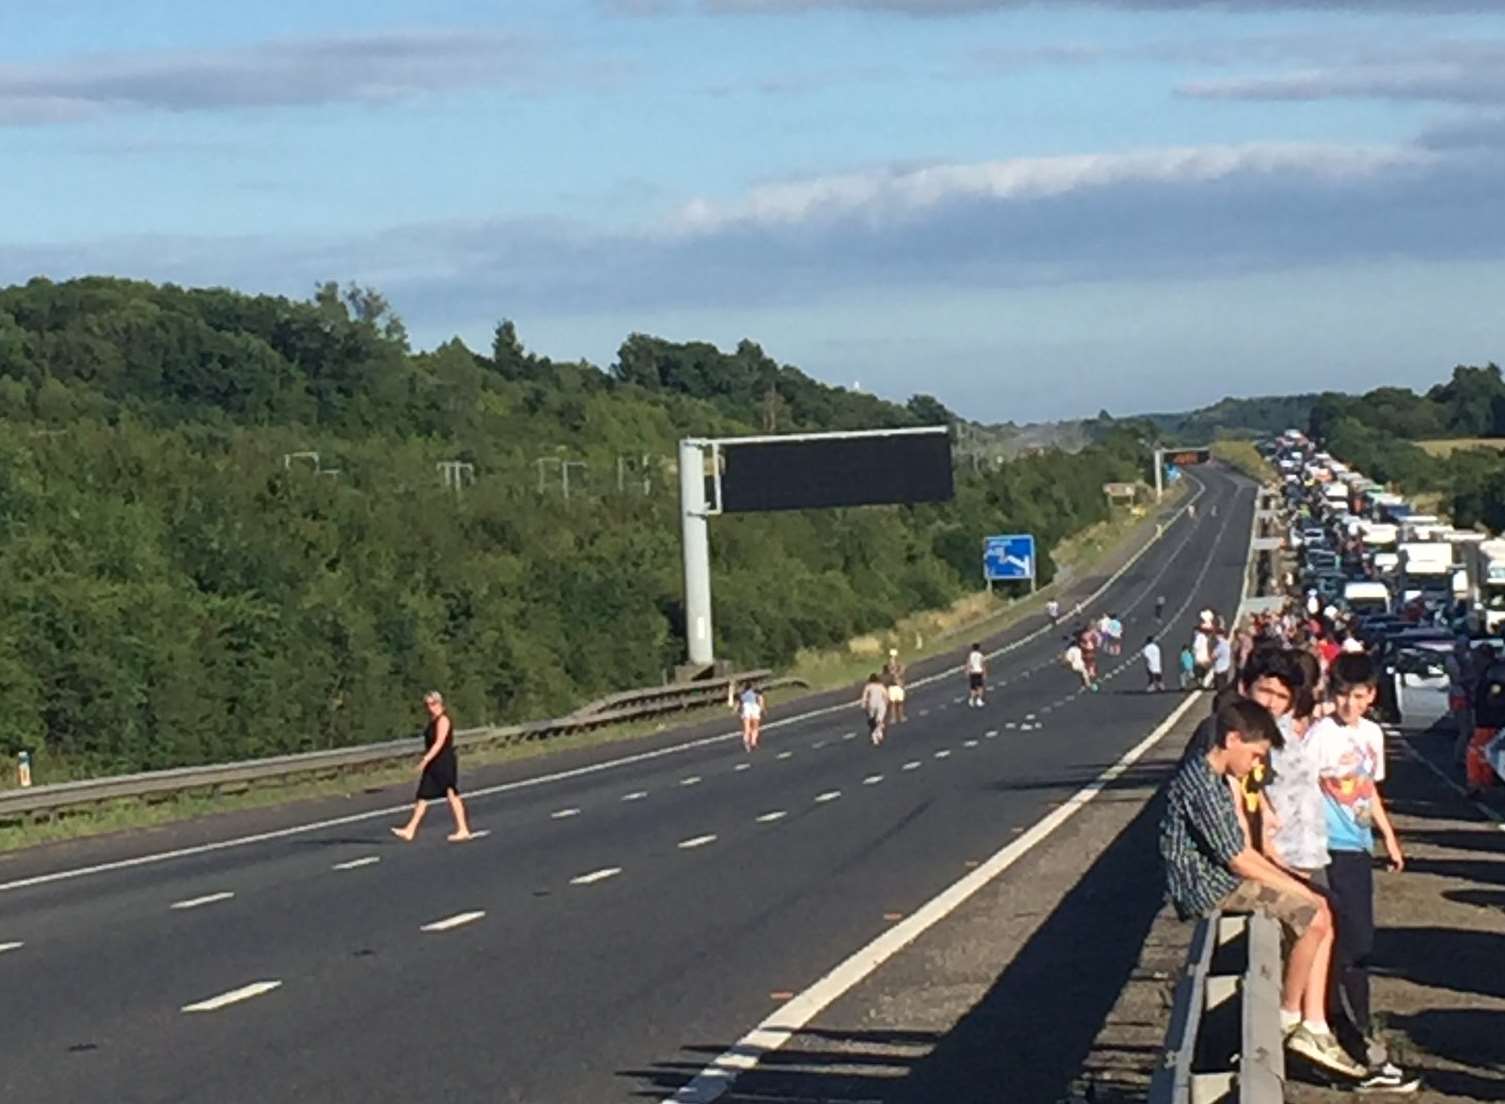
(1425, 599)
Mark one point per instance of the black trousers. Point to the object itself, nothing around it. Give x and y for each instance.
(1351, 885)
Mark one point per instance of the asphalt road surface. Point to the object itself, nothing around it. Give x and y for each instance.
(616, 928)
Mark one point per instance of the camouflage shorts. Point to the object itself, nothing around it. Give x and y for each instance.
(1290, 909)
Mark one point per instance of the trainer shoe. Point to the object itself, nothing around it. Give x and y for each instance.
(1324, 1051)
(1387, 1077)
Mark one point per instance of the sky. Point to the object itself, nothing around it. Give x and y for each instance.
(1029, 210)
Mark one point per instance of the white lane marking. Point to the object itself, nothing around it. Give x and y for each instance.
(913, 764)
(818, 745)
(10, 947)
(872, 780)
(597, 875)
(944, 753)
(742, 767)
(196, 902)
(563, 813)
(969, 743)
(1029, 716)
(453, 921)
(849, 735)
(784, 755)
(829, 795)
(691, 781)
(234, 996)
(635, 795)
(368, 860)
(1011, 724)
(769, 818)
(591, 768)
(697, 841)
(789, 1018)
(480, 833)
(990, 733)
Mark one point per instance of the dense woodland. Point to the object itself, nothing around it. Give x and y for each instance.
(186, 581)
(1376, 433)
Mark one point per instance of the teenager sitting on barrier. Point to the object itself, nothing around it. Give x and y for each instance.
(1210, 866)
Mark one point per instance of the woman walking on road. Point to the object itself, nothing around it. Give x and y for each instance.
(875, 704)
(439, 772)
(751, 706)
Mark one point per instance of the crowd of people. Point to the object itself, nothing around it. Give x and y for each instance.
(1275, 808)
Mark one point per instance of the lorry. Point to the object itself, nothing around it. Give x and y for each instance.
(1486, 587)
(1427, 566)
(1366, 596)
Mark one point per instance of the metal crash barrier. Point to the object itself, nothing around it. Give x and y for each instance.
(1224, 1041)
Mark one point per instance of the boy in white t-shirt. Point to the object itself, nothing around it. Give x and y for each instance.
(1350, 756)
(977, 676)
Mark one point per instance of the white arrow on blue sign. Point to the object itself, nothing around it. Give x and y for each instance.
(1009, 557)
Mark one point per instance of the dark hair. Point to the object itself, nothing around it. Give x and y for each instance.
(977, 647)
(1350, 670)
(1273, 663)
(1305, 702)
(1252, 721)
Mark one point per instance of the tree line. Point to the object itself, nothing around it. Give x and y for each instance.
(187, 582)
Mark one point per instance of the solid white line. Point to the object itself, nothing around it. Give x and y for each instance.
(234, 996)
(698, 841)
(911, 765)
(369, 860)
(872, 780)
(10, 947)
(829, 795)
(769, 818)
(636, 795)
(452, 921)
(692, 780)
(197, 901)
(597, 875)
(788, 1019)
(563, 813)
(556, 776)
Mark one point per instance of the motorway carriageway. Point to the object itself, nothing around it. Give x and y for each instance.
(613, 932)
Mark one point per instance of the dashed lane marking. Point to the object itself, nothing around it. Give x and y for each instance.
(597, 876)
(353, 864)
(742, 767)
(769, 818)
(454, 921)
(829, 795)
(693, 780)
(944, 753)
(234, 996)
(10, 947)
(990, 733)
(636, 795)
(784, 755)
(696, 841)
(563, 814)
(913, 764)
(872, 780)
(198, 902)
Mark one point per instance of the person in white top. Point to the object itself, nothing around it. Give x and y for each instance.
(1152, 664)
(750, 707)
(875, 704)
(977, 676)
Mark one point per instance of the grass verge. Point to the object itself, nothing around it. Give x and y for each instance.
(1243, 456)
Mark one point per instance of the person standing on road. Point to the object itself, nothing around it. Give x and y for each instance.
(1188, 672)
(875, 706)
(1053, 611)
(1222, 662)
(893, 678)
(977, 676)
(1350, 753)
(438, 773)
(751, 705)
(1156, 673)
(1074, 659)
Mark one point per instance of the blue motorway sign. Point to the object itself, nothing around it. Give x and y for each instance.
(1008, 557)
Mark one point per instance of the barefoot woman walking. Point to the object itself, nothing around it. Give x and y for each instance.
(439, 771)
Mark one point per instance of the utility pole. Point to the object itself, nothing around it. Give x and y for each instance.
(455, 474)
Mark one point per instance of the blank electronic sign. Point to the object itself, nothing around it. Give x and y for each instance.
(866, 470)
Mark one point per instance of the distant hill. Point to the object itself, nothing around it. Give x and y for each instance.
(1236, 418)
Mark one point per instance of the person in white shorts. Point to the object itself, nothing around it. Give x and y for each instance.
(751, 706)
(893, 679)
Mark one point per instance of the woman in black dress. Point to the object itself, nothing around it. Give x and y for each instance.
(439, 772)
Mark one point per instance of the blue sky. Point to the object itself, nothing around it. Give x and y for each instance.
(1031, 210)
